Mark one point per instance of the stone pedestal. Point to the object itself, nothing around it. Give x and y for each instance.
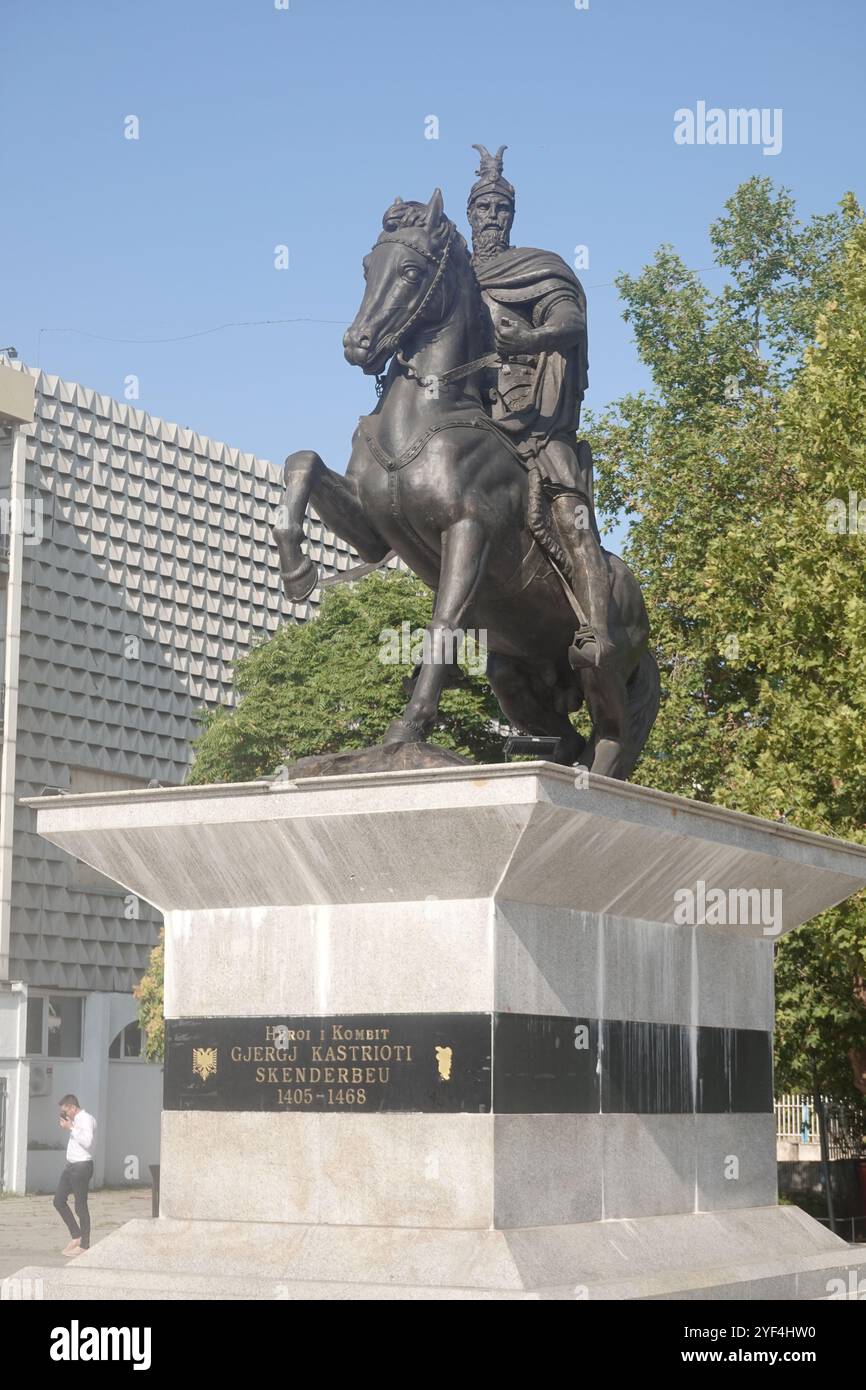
(482, 1032)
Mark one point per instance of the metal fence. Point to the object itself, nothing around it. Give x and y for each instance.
(797, 1118)
(850, 1228)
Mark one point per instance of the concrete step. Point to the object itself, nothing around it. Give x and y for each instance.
(770, 1280)
(747, 1253)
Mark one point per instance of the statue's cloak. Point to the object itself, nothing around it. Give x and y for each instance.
(534, 281)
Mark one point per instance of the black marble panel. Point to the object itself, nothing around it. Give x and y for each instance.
(545, 1065)
(735, 1071)
(645, 1068)
(470, 1063)
(382, 1062)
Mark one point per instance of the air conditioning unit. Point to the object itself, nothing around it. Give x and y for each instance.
(41, 1080)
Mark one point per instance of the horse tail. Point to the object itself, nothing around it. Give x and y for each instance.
(644, 697)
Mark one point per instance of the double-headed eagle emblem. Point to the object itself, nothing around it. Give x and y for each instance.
(204, 1061)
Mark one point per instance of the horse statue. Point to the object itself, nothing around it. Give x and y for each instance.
(432, 479)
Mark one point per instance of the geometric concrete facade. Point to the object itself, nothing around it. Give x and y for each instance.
(155, 571)
(147, 569)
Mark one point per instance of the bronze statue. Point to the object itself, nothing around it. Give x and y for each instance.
(462, 497)
(536, 312)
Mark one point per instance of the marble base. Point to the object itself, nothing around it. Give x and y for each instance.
(581, 1106)
(755, 1253)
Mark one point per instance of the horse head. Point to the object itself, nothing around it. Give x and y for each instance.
(406, 275)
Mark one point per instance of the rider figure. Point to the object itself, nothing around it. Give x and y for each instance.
(536, 311)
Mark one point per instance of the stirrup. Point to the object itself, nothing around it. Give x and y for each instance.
(587, 652)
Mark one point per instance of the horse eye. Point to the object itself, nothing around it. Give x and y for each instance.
(411, 272)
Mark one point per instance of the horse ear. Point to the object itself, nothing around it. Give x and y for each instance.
(435, 208)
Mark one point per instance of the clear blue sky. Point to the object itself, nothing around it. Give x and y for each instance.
(261, 126)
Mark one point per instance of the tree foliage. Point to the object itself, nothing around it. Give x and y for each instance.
(149, 993)
(724, 467)
(754, 422)
(332, 684)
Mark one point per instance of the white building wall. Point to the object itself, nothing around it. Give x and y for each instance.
(16, 1072)
(124, 1096)
(134, 1105)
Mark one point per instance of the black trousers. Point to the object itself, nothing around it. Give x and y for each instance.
(75, 1179)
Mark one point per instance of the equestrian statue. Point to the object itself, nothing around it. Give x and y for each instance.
(470, 470)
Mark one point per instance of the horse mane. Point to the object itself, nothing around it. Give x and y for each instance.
(401, 214)
(404, 215)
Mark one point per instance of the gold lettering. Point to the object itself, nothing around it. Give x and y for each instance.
(340, 1033)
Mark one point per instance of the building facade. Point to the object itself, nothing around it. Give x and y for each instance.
(137, 566)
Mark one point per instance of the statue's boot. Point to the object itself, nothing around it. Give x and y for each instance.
(593, 645)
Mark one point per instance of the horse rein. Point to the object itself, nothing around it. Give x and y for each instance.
(489, 359)
(394, 339)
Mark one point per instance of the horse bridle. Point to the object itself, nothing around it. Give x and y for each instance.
(394, 340)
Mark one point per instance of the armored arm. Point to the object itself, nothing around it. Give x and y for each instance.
(559, 324)
(563, 326)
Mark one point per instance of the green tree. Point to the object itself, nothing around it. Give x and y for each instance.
(149, 993)
(323, 686)
(725, 467)
(330, 684)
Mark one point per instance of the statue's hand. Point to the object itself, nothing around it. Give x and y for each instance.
(514, 337)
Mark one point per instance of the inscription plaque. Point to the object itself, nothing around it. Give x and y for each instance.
(426, 1062)
(452, 1063)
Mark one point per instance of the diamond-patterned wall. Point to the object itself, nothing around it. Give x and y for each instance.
(156, 570)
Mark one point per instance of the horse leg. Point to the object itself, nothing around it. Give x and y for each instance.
(307, 479)
(530, 706)
(465, 548)
(606, 696)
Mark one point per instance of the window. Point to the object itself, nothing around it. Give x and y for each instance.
(128, 1043)
(35, 1010)
(64, 1026)
(54, 1025)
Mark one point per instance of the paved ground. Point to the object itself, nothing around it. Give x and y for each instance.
(31, 1232)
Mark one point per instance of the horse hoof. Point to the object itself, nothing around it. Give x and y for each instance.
(299, 584)
(404, 731)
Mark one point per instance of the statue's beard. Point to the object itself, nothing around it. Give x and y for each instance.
(489, 242)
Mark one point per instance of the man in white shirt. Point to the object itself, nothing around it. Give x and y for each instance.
(76, 1176)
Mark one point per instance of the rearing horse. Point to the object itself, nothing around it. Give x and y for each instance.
(431, 478)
